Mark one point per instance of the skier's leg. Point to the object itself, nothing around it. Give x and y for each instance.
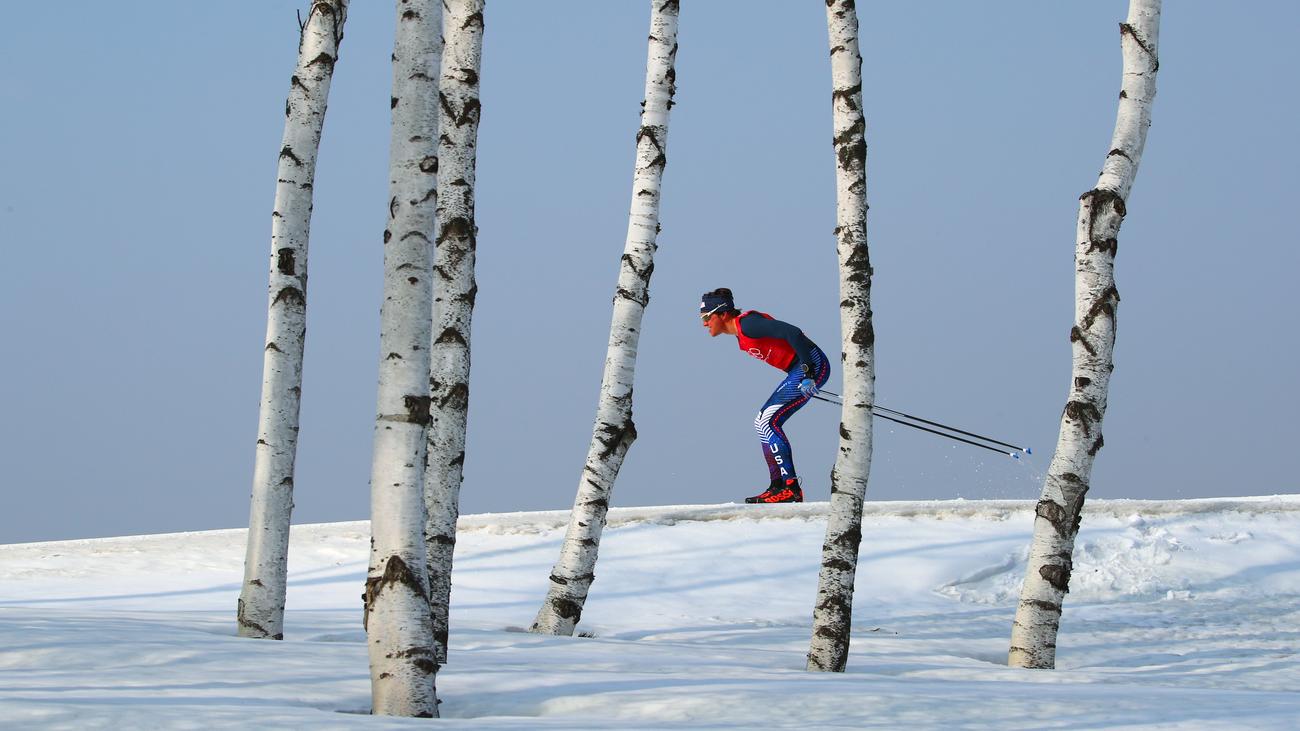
(782, 450)
(776, 448)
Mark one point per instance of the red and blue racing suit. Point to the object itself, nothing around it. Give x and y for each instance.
(783, 346)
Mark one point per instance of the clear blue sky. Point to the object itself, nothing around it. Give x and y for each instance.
(138, 147)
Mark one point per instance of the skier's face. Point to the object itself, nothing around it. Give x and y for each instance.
(715, 324)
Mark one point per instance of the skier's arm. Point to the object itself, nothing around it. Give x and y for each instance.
(756, 326)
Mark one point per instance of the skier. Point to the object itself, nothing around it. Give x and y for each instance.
(783, 346)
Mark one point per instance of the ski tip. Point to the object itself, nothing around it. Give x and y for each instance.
(1014, 455)
(1028, 450)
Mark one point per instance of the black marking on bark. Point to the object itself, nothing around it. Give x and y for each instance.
(671, 6)
(847, 95)
(284, 261)
(460, 229)
(417, 409)
(1077, 336)
(394, 356)
(457, 397)
(451, 335)
(395, 572)
(392, 207)
(273, 346)
(1057, 576)
(844, 433)
(838, 564)
(864, 333)
(1120, 153)
(458, 460)
(388, 236)
(858, 264)
(566, 608)
(468, 296)
(1105, 246)
(392, 102)
(409, 234)
(244, 621)
(849, 540)
(851, 147)
(660, 160)
(287, 151)
(616, 436)
(323, 58)
(1095, 199)
(600, 504)
(475, 19)
(1043, 605)
(1083, 412)
(1129, 29)
(442, 540)
(1082, 381)
(290, 296)
(1104, 304)
(429, 165)
(1096, 446)
(295, 81)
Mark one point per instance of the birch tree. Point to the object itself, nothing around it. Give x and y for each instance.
(614, 431)
(261, 599)
(453, 304)
(833, 612)
(398, 631)
(1092, 338)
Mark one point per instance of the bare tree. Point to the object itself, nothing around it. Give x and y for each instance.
(1092, 338)
(614, 432)
(398, 631)
(833, 613)
(453, 303)
(261, 600)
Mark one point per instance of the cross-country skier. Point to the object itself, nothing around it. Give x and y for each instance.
(784, 346)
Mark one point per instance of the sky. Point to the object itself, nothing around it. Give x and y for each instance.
(138, 146)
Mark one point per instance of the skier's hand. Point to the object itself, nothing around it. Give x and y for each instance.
(808, 387)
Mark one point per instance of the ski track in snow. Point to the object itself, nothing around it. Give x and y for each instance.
(1182, 614)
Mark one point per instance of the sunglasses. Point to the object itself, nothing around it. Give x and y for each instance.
(705, 317)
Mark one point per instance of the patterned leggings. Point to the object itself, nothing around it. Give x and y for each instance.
(784, 401)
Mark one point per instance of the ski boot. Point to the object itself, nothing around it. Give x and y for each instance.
(780, 491)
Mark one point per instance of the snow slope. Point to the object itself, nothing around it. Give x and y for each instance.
(1182, 614)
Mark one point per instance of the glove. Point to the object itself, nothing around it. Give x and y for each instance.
(808, 387)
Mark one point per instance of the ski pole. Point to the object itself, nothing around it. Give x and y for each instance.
(1013, 455)
(1026, 450)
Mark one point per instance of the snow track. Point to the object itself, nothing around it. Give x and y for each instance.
(1182, 614)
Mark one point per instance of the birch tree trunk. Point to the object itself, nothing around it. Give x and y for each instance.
(453, 305)
(261, 600)
(398, 632)
(833, 613)
(613, 431)
(1092, 338)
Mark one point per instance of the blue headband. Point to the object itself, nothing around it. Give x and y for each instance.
(711, 303)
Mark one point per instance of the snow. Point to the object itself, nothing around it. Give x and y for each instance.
(1182, 614)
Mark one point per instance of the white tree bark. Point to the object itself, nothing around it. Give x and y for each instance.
(453, 304)
(1101, 211)
(261, 600)
(614, 432)
(833, 613)
(398, 631)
